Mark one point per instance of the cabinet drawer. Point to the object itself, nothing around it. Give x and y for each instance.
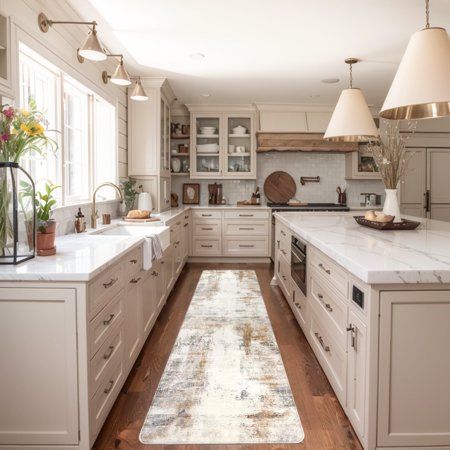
(212, 228)
(133, 262)
(298, 304)
(102, 325)
(109, 354)
(207, 247)
(104, 288)
(242, 228)
(103, 399)
(330, 271)
(206, 214)
(333, 359)
(284, 277)
(330, 307)
(234, 246)
(246, 214)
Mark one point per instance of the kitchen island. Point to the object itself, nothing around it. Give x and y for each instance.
(375, 308)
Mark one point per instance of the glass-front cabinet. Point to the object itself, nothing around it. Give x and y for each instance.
(223, 145)
(164, 136)
(360, 165)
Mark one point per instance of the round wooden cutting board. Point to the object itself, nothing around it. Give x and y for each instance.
(279, 187)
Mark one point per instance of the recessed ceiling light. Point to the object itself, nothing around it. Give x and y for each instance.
(330, 80)
(197, 56)
(205, 94)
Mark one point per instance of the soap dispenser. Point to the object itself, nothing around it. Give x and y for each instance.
(80, 223)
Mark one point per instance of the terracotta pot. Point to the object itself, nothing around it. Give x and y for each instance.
(45, 239)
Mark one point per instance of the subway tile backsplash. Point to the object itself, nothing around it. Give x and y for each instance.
(329, 167)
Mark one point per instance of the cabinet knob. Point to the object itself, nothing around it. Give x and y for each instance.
(110, 283)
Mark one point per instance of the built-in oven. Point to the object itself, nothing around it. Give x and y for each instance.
(298, 263)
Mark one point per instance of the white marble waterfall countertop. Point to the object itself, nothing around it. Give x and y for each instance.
(378, 257)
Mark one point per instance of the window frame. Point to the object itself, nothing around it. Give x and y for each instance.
(66, 77)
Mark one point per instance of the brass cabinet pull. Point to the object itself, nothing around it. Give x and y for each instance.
(298, 305)
(328, 306)
(108, 354)
(284, 277)
(246, 215)
(135, 280)
(328, 271)
(246, 245)
(133, 261)
(185, 225)
(353, 342)
(206, 215)
(207, 229)
(283, 251)
(293, 296)
(246, 229)
(206, 246)
(320, 296)
(110, 386)
(186, 217)
(108, 321)
(155, 273)
(110, 283)
(283, 233)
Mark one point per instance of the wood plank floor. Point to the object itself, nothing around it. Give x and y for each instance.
(323, 420)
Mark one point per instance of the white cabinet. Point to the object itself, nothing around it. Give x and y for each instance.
(414, 369)
(356, 372)
(223, 143)
(39, 368)
(318, 121)
(151, 293)
(5, 56)
(133, 319)
(149, 141)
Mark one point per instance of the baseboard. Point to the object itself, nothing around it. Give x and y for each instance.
(225, 260)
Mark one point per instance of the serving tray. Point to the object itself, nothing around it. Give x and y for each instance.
(405, 224)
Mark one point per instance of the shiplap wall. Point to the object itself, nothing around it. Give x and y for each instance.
(59, 47)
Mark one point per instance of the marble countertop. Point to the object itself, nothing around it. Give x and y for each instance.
(378, 257)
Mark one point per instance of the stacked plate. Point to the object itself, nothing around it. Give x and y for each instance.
(208, 148)
(207, 130)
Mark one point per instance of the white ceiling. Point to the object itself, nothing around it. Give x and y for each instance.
(263, 50)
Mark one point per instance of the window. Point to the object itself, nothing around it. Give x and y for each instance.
(84, 126)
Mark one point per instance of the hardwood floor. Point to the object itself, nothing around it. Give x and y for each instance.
(323, 420)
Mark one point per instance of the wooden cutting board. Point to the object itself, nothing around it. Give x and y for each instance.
(279, 187)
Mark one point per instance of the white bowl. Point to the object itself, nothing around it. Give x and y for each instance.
(207, 130)
(239, 130)
(208, 148)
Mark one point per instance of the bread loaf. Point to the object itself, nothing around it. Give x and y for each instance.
(138, 214)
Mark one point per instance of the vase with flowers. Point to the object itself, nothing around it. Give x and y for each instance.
(392, 161)
(22, 133)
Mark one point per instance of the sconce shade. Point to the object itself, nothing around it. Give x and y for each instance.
(138, 92)
(120, 76)
(421, 87)
(92, 49)
(351, 120)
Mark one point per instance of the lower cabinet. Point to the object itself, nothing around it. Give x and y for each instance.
(151, 294)
(39, 366)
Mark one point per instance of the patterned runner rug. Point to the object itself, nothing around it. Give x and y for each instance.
(224, 382)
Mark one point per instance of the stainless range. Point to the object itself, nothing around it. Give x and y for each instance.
(284, 207)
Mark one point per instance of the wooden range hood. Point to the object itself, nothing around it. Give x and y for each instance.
(300, 142)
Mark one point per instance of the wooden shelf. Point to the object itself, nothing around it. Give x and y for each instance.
(176, 136)
(207, 136)
(208, 154)
(239, 154)
(239, 136)
(179, 154)
(180, 174)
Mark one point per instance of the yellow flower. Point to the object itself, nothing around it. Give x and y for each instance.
(25, 128)
(32, 130)
(24, 112)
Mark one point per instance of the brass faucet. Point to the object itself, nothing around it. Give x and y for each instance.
(94, 214)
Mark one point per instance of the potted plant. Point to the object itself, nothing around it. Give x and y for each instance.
(392, 160)
(22, 132)
(129, 193)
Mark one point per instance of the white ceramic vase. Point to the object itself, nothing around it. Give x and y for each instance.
(176, 165)
(391, 206)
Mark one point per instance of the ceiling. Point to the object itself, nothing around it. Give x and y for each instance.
(263, 50)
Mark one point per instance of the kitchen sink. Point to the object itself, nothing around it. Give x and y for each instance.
(137, 230)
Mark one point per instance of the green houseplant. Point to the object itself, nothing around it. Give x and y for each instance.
(129, 192)
(22, 133)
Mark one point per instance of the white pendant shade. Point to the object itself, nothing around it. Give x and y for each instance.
(138, 92)
(421, 87)
(120, 76)
(351, 120)
(92, 49)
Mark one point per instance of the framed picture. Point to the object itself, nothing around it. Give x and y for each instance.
(191, 193)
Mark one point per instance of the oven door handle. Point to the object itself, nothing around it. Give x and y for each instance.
(298, 254)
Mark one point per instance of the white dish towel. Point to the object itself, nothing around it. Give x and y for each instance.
(152, 251)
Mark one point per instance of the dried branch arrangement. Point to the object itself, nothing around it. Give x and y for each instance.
(390, 154)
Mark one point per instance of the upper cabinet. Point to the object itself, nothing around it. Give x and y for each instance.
(5, 56)
(223, 143)
(149, 130)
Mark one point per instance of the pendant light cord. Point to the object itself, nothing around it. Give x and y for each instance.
(427, 14)
(351, 76)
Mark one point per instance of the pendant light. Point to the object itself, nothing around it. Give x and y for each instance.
(138, 92)
(421, 87)
(351, 120)
(120, 75)
(91, 48)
